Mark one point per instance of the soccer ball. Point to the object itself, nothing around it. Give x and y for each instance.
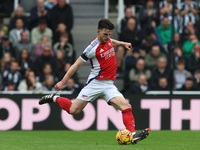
(124, 137)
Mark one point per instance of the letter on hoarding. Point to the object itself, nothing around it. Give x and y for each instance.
(13, 114)
(28, 115)
(155, 107)
(178, 114)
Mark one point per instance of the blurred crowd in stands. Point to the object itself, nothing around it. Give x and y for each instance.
(37, 50)
(166, 51)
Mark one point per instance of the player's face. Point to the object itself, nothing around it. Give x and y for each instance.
(104, 35)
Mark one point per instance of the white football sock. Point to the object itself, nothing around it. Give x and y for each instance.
(54, 98)
(133, 133)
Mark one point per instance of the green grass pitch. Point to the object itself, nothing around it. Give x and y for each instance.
(96, 140)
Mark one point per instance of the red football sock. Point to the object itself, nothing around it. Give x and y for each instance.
(64, 103)
(128, 119)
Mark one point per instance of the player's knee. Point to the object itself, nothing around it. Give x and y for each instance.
(74, 111)
(127, 105)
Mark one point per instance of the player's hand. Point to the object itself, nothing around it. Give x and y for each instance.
(59, 86)
(127, 45)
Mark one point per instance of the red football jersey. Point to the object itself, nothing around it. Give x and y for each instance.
(103, 60)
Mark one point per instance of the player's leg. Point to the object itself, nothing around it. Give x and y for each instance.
(77, 106)
(72, 108)
(66, 104)
(120, 103)
(128, 119)
(87, 94)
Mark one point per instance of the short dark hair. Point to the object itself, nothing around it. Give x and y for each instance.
(127, 8)
(181, 62)
(105, 23)
(64, 35)
(42, 21)
(189, 79)
(197, 71)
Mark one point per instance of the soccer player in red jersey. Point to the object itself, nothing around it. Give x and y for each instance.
(100, 82)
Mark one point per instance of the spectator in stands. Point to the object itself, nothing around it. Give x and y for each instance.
(188, 85)
(49, 83)
(174, 46)
(47, 70)
(140, 87)
(123, 22)
(12, 75)
(25, 63)
(166, 9)
(60, 61)
(146, 46)
(188, 30)
(24, 43)
(6, 47)
(147, 14)
(30, 84)
(188, 12)
(2, 34)
(130, 34)
(41, 30)
(63, 44)
(180, 75)
(178, 55)
(188, 46)
(5, 62)
(193, 62)
(37, 12)
(160, 71)
(14, 35)
(3, 27)
(130, 63)
(10, 86)
(162, 84)
(197, 79)
(74, 76)
(176, 42)
(45, 58)
(50, 3)
(18, 13)
(152, 57)
(153, 33)
(71, 86)
(140, 69)
(38, 49)
(62, 29)
(62, 13)
(165, 31)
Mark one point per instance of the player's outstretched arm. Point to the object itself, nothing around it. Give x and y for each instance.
(79, 62)
(125, 44)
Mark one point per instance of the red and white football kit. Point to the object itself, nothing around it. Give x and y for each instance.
(100, 81)
(103, 72)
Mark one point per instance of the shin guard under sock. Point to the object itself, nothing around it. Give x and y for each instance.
(128, 119)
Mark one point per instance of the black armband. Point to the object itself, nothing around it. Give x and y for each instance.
(84, 57)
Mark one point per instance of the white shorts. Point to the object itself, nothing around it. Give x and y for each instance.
(99, 88)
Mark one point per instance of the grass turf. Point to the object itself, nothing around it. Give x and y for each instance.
(96, 140)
